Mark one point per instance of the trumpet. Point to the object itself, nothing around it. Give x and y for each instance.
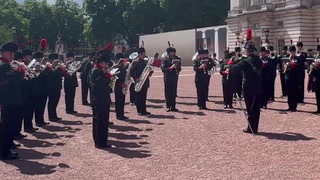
(314, 66)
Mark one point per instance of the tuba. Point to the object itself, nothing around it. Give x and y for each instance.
(128, 81)
(114, 72)
(73, 67)
(144, 76)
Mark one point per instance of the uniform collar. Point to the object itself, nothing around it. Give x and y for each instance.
(4, 60)
(98, 66)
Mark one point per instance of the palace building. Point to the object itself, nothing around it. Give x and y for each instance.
(274, 22)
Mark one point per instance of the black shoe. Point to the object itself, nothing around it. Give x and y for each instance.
(317, 112)
(122, 118)
(71, 112)
(11, 156)
(288, 109)
(147, 113)
(14, 146)
(103, 146)
(132, 104)
(15, 153)
(225, 106)
(111, 123)
(86, 104)
(203, 108)
(19, 136)
(168, 110)
(230, 106)
(31, 130)
(55, 119)
(174, 109)
(249, 131)
(293, 110)
(272, 100)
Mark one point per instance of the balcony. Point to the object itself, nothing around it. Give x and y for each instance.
(258, 8)
(292, 4)
(315, 2)
(234, 12)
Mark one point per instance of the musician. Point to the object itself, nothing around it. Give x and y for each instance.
(201, 66)
(211, 65)
(40, 89)
(239, 76)
(273, 61)
(251, 68)
(314, 73)
(265, 77)
(301, 67)
(177, 57)
(55, 86)
(120, 84)
(136, 71)
(86, 66)
(170, 68)
(70, 85)
(131, 89)
(292, 73)
(100, 102)
(227, 81)
(285, 54)
(11, 101)
(28, 96)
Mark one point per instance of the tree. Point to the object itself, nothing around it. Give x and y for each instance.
(103, 21)
(11, 16)
(5, 35)
(68, 19)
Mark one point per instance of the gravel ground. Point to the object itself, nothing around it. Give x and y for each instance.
(189, 144)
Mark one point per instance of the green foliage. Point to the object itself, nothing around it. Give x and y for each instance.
(5, 35)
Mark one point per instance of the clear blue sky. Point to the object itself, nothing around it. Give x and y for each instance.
(52, 1)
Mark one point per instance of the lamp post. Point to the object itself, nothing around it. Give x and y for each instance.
(14, 31)
(266, 32)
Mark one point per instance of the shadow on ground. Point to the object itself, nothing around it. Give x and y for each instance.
(286, 136)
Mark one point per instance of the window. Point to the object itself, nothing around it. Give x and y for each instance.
(279, 24)
(280, 45)
(256, 26)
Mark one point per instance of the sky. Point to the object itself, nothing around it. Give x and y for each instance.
(52, 1)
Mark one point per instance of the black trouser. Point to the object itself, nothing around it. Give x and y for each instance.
(201, 93)
(301, 87)
(265, 96)
(238, 85)
(272, 89)
(28, 109)
(19, 118)
(283, 84)
(292, 89)
(54, 97)
(119, 101)
(170, 94)
(40, 105)
(141, 98)
(70, 93)
(177, 84)
(318, 100)
(133, 93)
(207, 89)
(100, 124)
(8, 126)
(84, 90)
(227, 93)
(252, 101)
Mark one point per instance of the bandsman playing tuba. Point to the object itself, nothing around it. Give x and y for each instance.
(136, 73)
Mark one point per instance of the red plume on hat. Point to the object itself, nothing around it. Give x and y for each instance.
(23, 45)
(109, 47)
(249, 34)
(30, 42)
(43, 44)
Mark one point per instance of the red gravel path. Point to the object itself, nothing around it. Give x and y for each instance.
(190, 144)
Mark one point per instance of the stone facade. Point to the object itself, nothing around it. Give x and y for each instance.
(286, 20)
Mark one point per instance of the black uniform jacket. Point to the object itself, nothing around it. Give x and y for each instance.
(10, 85)
(170, 74)
(99, 82)
(137, 69)
(252, 68)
